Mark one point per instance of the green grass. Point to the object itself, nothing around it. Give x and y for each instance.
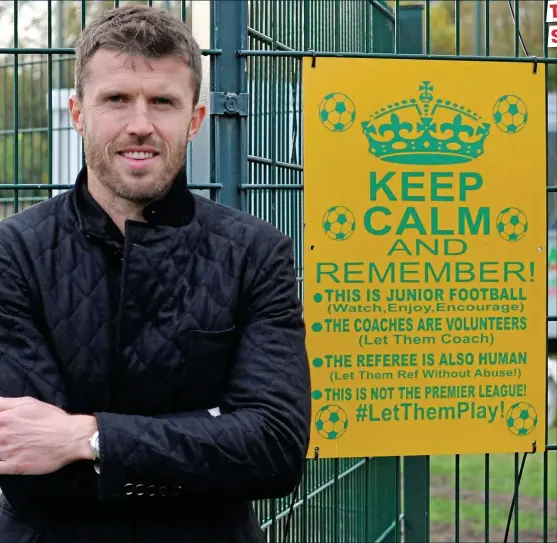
(472, 508)
(501, 472)
(472, 522)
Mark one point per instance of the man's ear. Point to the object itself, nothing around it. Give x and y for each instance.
(198, 115)
(76, 114)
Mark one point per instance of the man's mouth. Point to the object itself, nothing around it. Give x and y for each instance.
(135, 155)
(139, 159)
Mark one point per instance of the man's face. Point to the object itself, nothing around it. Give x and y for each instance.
(136, 120)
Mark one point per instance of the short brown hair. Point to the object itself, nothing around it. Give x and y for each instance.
(138, 30)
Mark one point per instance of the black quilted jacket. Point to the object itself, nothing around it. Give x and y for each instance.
(194, 309)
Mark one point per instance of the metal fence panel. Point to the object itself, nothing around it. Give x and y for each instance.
(437, 499)
(352, 500)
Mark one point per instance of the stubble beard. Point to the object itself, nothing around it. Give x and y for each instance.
(122, 186)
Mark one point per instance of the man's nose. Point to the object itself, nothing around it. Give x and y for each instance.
(139, 122)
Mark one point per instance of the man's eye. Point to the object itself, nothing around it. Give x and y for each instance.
(162, 100)
(115, 98)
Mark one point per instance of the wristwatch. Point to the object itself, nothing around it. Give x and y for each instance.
(94, 443)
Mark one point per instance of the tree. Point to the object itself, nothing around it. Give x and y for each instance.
(502, 35)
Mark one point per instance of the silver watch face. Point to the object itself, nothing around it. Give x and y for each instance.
(94, 441)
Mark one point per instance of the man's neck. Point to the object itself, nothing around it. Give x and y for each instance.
(118, 209)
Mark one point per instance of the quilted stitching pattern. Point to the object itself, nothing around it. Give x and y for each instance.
(185, 319)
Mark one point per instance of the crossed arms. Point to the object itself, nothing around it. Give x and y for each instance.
(255, 449)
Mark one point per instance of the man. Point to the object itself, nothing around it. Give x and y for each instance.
(153, 370)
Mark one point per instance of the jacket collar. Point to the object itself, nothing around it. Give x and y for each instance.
(175, 209)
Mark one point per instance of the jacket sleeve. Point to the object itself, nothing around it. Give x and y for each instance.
(27, 368)
(257, 447)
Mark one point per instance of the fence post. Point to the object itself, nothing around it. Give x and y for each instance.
(228, 99)
(416, 477)
(416, 472)
(411, 29)
(385, 500)
(383, 28)
(384, 491)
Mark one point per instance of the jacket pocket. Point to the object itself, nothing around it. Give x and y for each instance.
(210, 356)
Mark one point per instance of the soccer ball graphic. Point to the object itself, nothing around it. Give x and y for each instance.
(339, 223)
(521, 419)
(337, 112)
(510, 114)
(512, 224)
(331, 421)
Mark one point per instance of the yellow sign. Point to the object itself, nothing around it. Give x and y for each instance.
(425, 256)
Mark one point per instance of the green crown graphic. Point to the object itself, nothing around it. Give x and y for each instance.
(426, 131)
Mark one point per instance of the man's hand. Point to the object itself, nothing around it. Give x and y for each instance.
(38, 438)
